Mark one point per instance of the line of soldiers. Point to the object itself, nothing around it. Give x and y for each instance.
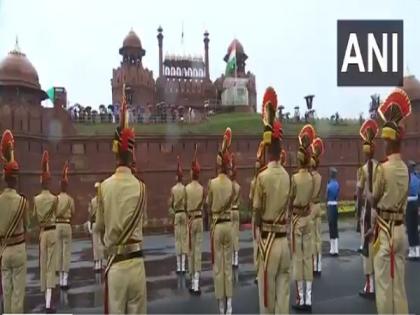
(53, 216)
(285, 218)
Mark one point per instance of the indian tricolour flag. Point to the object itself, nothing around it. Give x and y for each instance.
(231, 63)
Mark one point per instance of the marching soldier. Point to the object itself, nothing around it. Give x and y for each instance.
(97, 246)
(65, 210)
(271, 215)
(301, 192)
(177, 210)
(13, 223)
(119, 219)
(235, 216)
(220, 198)
(365, 175)
(390, 189)
(316, 213)
(194, 205)
(45, 208)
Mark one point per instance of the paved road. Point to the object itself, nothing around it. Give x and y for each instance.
(335, 292)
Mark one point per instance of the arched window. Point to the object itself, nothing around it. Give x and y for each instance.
(190, 72)
(185, 72)
(201, 73)
(167, 71)
(178, 72)
(195, 74)
(173, 71)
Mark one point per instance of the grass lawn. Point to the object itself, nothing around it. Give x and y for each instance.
(241, 124)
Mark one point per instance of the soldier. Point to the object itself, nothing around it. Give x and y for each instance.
(119, 219)
(177, 210)
(316, 213)
(390, 189)
(65, 210)
(301, 192)
(365, 175)
(194, 205)
(45, 208)
(97, 246)
(13, 223)
(235, 216)
(412, 215)
(220, 198)
(271, 215)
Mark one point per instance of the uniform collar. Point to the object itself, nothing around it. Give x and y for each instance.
(303, 170)
(394, 157)
(274, 164)
(222, 175)
(45, 191)
(9, 190)
(123, 170)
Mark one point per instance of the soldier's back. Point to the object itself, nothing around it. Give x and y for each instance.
(43, 203)
(9, 205)
(304, 187)
(221, 191)
(194, 191)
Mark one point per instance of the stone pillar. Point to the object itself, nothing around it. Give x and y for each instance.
(206, 53)
(160, 42)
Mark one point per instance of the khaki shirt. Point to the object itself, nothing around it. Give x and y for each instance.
(219, 193)
(316, 196)
(302, 188)
(9, 203)
(93, 208)
(194, 196)
(177, 198)
(272, 192)
(120, 195)
(43, 203)
(236, 200)
(65, 207)
(390, 185)
(251, 191)
(363, 177)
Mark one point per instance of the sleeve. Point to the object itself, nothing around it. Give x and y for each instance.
(251, 190)
(378, 184)
(361, 178)
(90, 208)
(34, 213)
(100, 221)
(238, 197)
(171, 202)
(145, 215)
(258, 201)
(27, 215)
(209, 200)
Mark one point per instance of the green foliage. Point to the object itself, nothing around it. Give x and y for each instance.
(240, 123)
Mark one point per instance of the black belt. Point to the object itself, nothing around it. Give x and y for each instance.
(47, 228)
(16, 243)
(222, 221)
(196, 217)
(122, 257)
(179, 211)
(264, 234)
(396, 223)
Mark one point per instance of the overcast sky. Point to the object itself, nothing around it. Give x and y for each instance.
(291, 44)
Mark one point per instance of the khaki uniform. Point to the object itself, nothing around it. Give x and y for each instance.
(220, 198)
(302, 247)
(251, 202)
(45, 208)
(363, 184)
(177, 208)
(122, 204)
(390, 190)
(194, 206)
(65, 210)
(236, 217)
(270, 203)
(13, 259)
(98, 250)
(316, 214)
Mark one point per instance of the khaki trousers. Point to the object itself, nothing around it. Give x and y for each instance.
(127, 287)
(181, 233)
(63, 246)
(235, 229)
(222, 268)
(196, 235)
(302, 250)
(368, 261)
(13, 270)
(391, 296)
(278, 278)
(98, 249)
(316, 228)
(47, 259)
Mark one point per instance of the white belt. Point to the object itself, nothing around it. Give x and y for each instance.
(332, 203)
(412, 198)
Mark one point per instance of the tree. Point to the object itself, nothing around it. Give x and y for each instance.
(102, 112)
(88, 112)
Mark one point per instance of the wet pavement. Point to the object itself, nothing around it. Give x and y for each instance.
(336, 291)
